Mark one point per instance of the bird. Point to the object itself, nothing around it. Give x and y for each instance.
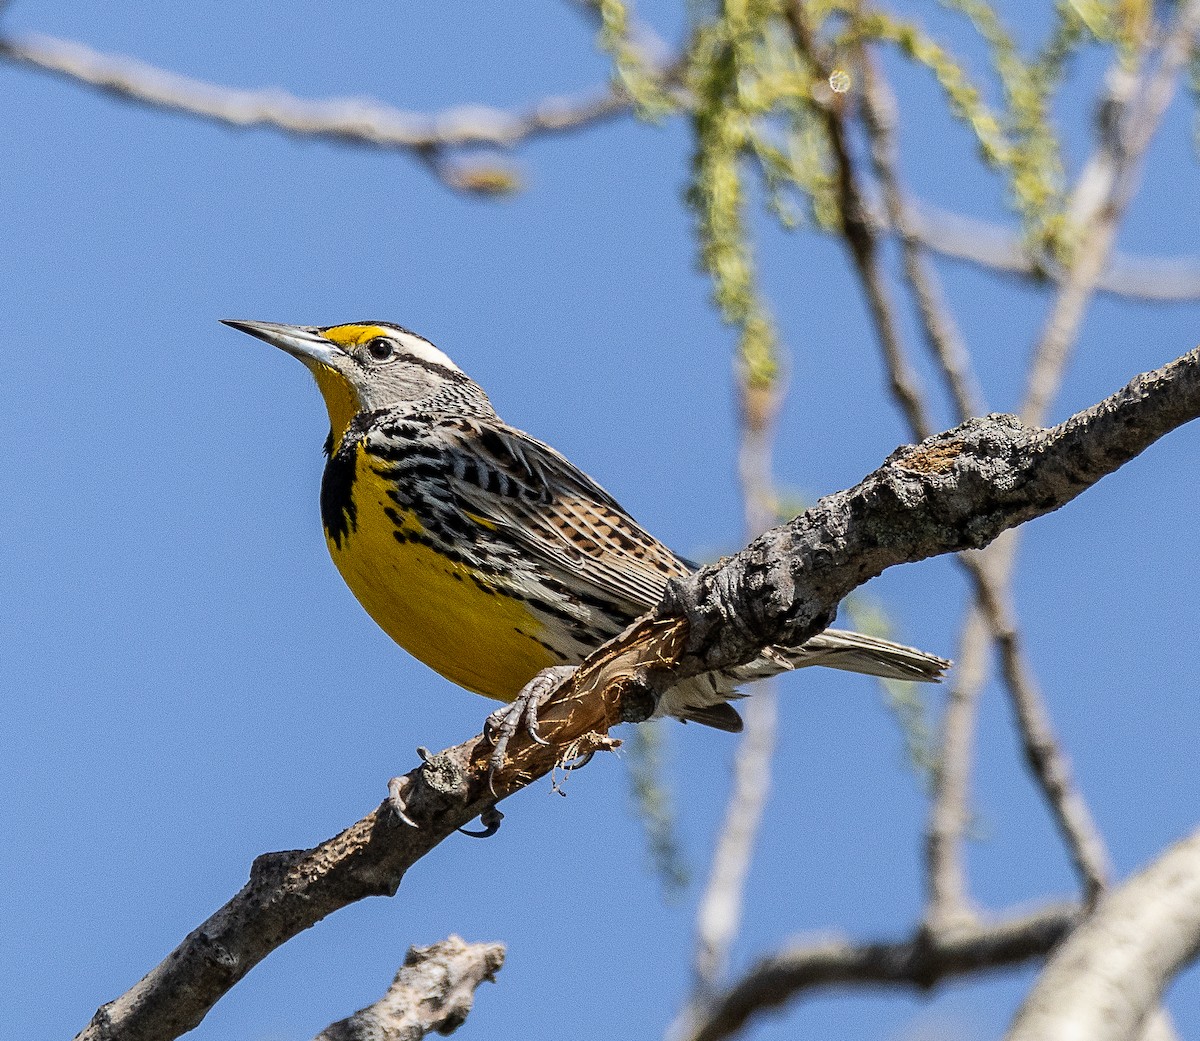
(485, 553)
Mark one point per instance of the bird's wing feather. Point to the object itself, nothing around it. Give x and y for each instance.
(557, 514)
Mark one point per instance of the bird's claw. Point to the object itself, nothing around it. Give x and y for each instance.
(580, 761)
(398, 800)
(521, 713)
(490, 819)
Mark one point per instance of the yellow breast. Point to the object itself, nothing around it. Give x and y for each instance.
(434, 607)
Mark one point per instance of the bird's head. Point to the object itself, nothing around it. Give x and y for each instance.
(365, 366)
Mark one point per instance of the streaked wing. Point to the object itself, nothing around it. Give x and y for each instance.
(553, 511)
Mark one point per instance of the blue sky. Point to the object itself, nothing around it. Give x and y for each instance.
(188, 683)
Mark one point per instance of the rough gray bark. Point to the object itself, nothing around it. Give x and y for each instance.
(955, 491)
(432, 992)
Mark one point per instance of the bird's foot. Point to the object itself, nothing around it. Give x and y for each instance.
(399, 789)
(522, 713)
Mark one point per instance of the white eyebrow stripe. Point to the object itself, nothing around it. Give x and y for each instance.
(424, 350)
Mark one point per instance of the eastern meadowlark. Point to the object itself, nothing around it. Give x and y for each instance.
(484, 552)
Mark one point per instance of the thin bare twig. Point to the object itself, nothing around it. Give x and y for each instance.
(948, 900)
(355, 121)
(994, 248)
(860, 236)
(719, 915)
(919, 963)
(941, 331)
(1042, 750)
(433, 991)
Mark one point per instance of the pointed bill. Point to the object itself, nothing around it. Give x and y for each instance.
(300, 341)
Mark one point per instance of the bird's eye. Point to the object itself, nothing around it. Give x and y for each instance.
(380, 348)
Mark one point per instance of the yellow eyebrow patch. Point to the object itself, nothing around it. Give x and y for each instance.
(352, 335)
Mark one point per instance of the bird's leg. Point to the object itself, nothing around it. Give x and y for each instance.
(522, 712)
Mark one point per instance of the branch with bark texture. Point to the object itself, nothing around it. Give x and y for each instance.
(1110, 973)
(431, 138)
(955, 491)
(433, 991)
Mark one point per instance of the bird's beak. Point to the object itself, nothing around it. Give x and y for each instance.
(300, 341)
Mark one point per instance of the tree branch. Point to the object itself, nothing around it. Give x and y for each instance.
(1046, 759)
(948, 901)
(920, 963)
(369, 123)
(1110, 973)
(955, 491)
(354, 121)
(433, 991)
(858, 230)
(941, 331)
(995, 248)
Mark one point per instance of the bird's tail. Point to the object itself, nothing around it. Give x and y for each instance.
(705, 698)
(853, 652)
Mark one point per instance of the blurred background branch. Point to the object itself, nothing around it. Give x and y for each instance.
(436, 139)
(920, 963)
